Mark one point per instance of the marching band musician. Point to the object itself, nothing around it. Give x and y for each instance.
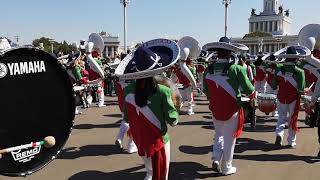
(290, 81)
(316, 96)
(201, 68)
(261, 75)
(249, 109)
(272, 68)
(222, 84)
(93, 76)
(148, 106)
(249, 61)
(186, 92)
(124, 126)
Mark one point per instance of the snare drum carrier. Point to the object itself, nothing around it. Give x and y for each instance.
(36, 103)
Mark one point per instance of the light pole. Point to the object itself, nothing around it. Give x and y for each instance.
(125, 3)
(51, 42)
(226, 5)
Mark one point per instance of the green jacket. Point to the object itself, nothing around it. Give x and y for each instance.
(161, 105)
(238, 79)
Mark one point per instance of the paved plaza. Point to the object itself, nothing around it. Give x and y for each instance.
(90, 153)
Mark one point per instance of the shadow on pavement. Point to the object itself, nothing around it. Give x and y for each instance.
(195, 150)
(202, 104)
(113, 115)
(178, 171)
(93, 126)
(246, 144)
(117, 175)
(199, 123)
(89, 150)
(278, 158)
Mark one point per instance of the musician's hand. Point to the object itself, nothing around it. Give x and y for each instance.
(306, 90)
(84, 80)
(309, 108)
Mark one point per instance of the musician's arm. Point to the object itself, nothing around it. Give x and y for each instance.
(205, 84)
(77, 73)
(316, 93)
(301, 81)
(245, 83)
(170, 112)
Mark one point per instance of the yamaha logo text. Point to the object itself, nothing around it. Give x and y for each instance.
(20, 68)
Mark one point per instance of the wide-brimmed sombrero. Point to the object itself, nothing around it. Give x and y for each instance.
(293, 52)
(225, 44)
(150, 59)
(4, 44)
(270, 58)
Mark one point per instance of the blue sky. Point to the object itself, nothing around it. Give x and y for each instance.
(72, 20)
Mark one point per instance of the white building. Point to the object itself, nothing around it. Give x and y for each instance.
(111, 44)
(269, 31)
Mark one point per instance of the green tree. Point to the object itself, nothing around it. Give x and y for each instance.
(57, 47)
(257, 34)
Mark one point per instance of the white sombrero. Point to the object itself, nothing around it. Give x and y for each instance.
(225, 44)
(293, 52)
(150, 59)
(4, 44)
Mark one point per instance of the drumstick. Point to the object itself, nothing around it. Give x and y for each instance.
(311, 85)
(48, 142)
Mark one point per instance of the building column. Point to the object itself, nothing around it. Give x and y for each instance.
(107, 51)
(278, 25)
(259, 26)
(112, 52)
(268, 26)
(253, 27)
(250, 27)
(270, 50)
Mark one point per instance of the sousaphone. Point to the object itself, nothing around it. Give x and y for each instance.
(189, 48)
(95, 43)
(309, 36)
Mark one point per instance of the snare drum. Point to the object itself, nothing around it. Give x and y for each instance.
(267, 103)
(36, 102)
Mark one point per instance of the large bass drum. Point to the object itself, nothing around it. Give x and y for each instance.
(36, 102)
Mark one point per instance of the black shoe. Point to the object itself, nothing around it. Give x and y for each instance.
(278, 141)
(215, 166)
(319, 155)
(118, 143)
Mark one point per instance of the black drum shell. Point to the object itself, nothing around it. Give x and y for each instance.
(32, 107)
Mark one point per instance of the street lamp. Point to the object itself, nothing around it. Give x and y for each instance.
(226, 4)
(125, 3)
(51, 42)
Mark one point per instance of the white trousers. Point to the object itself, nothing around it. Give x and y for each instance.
(224, 141)
(285, 113)
(260, 86)
(148, 163)
(187, 97)
(101, 96)
(200, 75)
(123, 129)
